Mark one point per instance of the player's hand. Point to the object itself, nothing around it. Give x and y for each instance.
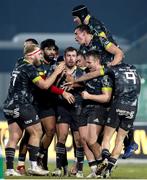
(60, 68)
(69, 97)
(85, 95)
(68, 88)
(71, 83)
(69, 78)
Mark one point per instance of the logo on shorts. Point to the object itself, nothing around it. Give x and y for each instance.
(28, 121)
(128, 114)
(109, 120)
(96, 120)
(37, 117)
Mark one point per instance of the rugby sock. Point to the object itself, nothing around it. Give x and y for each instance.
(65, 170)
(45, 160)
(23, 148)
(129, 138)
(105, 154)
(21, 157)
(65, 163)
(92, 163)
(74, 144)
(60, 154)
(111, 163)
(80, 158)
(43, 154)
(33, 152)
(93, 166)
(10, 153)
(99, 161)
(64, 158)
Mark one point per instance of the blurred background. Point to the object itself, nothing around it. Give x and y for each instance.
(41, 19)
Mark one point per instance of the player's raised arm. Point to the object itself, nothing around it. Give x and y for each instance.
(45, 84)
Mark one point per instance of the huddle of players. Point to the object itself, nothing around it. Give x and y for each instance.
(92, 106)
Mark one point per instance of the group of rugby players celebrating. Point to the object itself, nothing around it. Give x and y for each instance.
(90, 90)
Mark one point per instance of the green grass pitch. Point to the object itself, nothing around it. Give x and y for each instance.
(122, 171)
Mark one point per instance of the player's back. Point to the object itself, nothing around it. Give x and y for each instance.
(127, 81)
(97, 27)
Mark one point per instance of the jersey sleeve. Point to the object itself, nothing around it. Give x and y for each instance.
(105, 42)
(107, 83)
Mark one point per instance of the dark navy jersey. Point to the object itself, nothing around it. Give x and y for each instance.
(127, 82)
(76, 91)
(99, 44)
(99, 29)
(97, 85)
(22, 82)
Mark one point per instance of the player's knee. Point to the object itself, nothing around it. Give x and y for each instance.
(83, 139)
(91, 142)
(36, 132)
(51, 131)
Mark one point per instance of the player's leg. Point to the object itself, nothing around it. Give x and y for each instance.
(89, 155)
(112, 160)
(32, 125)
(63, 129)
(49, 125)
(22, 153)
(79, 153)
(15, 133)
(130, 146)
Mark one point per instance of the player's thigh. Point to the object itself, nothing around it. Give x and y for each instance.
(49, 124)
(15, 132)
(93, 132)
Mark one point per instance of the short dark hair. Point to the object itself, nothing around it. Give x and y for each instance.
(93, 53)
(69, 49)
(79, 53)
(83, 27)
(34, 41)
(47, 43)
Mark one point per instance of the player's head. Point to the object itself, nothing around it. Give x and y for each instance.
(81, 62)
(30, 41)
(82, 34)
(70, 56)
(92, 60)
(79, 13)
(33, 54)
(49, 48)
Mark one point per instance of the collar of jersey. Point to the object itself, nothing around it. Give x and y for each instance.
(26, 61)
(87, 18)
(75, 67)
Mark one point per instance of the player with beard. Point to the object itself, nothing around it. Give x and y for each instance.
(68, 114)
(47, 101)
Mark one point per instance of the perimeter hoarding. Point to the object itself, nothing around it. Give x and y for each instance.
(140, 136)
